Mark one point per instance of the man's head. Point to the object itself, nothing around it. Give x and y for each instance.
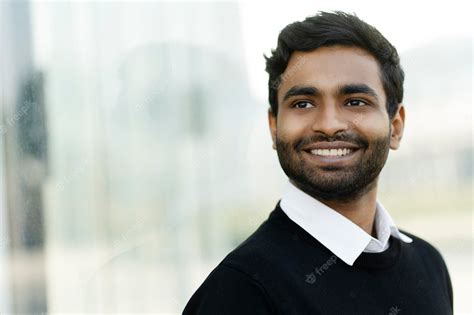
(335, 85)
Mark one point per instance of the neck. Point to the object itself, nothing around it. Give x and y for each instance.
(360, 211)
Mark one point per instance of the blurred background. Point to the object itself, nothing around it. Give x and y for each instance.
(135, 151)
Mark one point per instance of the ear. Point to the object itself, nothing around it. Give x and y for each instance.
(397, 124)
(272, 122)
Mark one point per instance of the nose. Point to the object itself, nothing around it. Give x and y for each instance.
(329, 120)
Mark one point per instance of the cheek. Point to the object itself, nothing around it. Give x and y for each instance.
(291, 128)
(373, 127)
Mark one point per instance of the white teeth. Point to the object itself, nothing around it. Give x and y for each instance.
(332, 152)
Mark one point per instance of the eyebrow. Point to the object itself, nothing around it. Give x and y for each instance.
(342, 90)
(301, 90)
(357, 88)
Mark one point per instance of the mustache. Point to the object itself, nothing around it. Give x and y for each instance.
(350, 138)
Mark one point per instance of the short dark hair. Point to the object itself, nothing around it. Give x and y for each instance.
(336, 28)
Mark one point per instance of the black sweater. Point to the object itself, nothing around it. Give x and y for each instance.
(281, 269)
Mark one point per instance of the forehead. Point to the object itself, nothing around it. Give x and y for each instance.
(328, 68)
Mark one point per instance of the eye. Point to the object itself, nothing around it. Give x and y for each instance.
(302, 104)
(356, 103)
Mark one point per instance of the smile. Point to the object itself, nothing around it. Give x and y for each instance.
(340, 157)
(332, 152)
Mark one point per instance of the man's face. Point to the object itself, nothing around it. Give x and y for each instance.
(332, 132)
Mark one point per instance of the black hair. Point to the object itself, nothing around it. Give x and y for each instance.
(336, 28)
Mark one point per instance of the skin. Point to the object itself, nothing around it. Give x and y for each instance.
(357, 117)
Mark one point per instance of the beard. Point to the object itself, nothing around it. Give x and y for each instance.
(332, 183)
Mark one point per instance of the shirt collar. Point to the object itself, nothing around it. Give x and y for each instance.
(339, 234)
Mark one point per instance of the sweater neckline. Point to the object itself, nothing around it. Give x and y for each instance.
(366, 260)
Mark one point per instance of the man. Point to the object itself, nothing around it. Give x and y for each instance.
(329, 246)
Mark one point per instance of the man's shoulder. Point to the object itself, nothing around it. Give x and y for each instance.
(276, 247)
(424, 248)
(258, 248)
(419, 242)
(230, 290)
(237, 283)
(432, 259)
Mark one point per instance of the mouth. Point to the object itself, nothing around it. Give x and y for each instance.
(333, 157)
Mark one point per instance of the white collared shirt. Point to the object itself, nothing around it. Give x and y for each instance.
(336, 232)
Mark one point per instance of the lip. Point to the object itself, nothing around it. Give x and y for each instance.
(340, 161)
